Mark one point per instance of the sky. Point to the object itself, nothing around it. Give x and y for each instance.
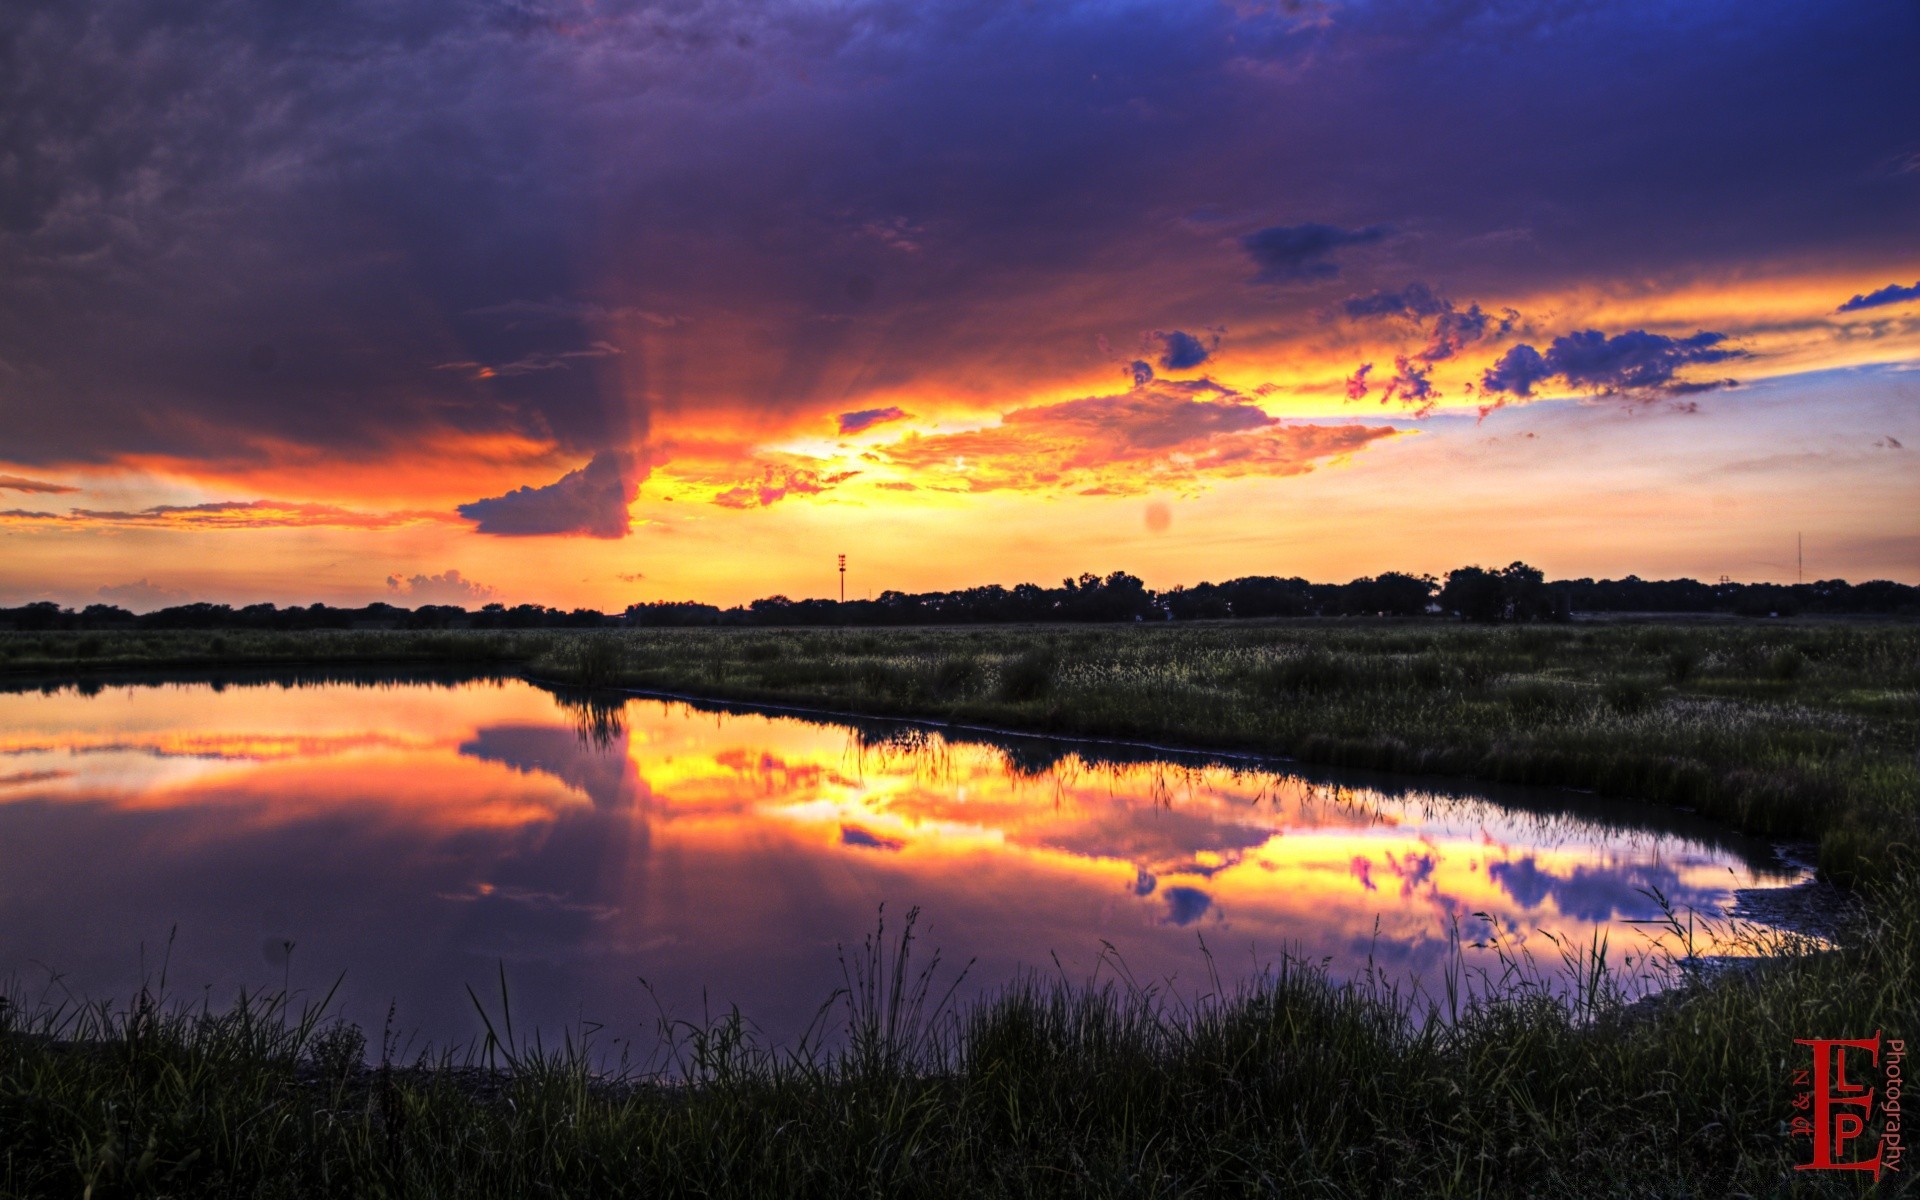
(596, 303)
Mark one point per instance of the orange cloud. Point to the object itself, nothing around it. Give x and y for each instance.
(777, 483)
(18, 483)
(1154, 436)
(231, 514)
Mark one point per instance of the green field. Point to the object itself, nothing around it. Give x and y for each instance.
(1794, 730)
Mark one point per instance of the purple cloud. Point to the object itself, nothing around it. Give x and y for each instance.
(853, 835)
(867, 418)
(1296, 253)
(1414, 300)
(1632, 362)
(1186, 905)
(1893, 293)
(1182, 351)
(590, 502)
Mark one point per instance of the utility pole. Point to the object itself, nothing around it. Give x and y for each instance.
(843, 579)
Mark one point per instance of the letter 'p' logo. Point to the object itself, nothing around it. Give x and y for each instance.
(1841, 1108)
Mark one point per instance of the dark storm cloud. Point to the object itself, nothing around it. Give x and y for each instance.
(1893, 293)
(1182, 351)
(1414, 300)
(1632, 362)
(591, 501)
(227, 230)
(1293, 253)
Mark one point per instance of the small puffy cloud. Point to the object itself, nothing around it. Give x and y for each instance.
(1182, 351)
(17, 483)
(1518, 370)
(1893, 293)
(1140, 371)
(142, 595)
(589, 502)
(867, 418)
(1414, 300)
(450, 587)
(1294, 253)
(1632, 362)
(1410, 385)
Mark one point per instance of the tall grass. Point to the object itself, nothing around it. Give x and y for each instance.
(1532, 1080)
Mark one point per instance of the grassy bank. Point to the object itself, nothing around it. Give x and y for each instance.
(1794, 731)
(1296, 1086)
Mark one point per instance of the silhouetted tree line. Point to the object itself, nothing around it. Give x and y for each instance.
(1514, 593)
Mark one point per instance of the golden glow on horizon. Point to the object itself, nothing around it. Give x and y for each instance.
(1027, 474)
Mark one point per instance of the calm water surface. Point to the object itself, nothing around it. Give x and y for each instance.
(418, 836)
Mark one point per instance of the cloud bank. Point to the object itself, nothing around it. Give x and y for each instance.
(1634, 362)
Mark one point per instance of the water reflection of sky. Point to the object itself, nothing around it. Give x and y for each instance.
(417, 837)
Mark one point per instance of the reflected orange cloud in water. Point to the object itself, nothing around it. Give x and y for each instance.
(1146, 853)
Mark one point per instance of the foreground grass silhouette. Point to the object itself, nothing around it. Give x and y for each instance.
(1541, 1080)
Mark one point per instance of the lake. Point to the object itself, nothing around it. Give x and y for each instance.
(414, 836)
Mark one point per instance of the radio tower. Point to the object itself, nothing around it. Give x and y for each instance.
(1799, 558)
(843, 579)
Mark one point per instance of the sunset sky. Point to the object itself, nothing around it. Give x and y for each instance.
(591, 303)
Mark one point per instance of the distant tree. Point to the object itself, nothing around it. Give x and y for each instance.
(1474, 594)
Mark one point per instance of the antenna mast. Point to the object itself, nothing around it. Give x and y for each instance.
(1799, 558)
(843, 579)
